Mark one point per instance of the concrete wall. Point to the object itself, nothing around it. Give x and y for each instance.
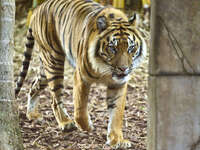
(174, 70)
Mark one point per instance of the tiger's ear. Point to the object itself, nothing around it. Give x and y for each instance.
(101, 23)
(133, 20)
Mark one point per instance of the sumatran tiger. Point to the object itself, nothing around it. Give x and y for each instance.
(100, 43)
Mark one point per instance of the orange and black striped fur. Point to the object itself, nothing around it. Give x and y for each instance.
(103, 46)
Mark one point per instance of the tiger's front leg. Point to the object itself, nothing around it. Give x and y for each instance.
(80, 96)
(116, 99)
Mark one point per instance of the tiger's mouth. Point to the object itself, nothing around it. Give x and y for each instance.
(120, 78)
(120, 75)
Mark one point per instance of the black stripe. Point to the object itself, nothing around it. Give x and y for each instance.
(19, 84)
(78, 48)
(54, 78)
(83, 10)
(111, 102)
(118, 34)
(43, 76)
(63, 10)
(42, 86)
(97, 52)
(138, 52)
(88, 1)
(56, 68)
(89, 74)
(103, 46)
(120, 22)
(70, 45)
(127, 25)
(72, 10)
(30, 30)
(66, 18)
(136, 34)
(57, 6)
(88, 65)
(61, 53)
(16, 91)
(97, 48)
(119, 19)
(25, 65)
(58, 50)
(48, 39)
(111, 106)
(53, 49)
(98, 10)
(46, 60)
(50, 59)
(122, 28)
(29, 45)
(113, 99)
(96, 5)
(125, 33)
(65, 15)
(31, 38)
(23, 74)
(53, 72)
(104, 35)
(58, 61)
(57, 87)
(27, 55)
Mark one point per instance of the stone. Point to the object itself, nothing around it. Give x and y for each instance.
(175, 37)
(174, 113)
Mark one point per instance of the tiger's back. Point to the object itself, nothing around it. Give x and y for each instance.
(64, 26)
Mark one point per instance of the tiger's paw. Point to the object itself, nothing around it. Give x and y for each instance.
(34, 115)
(67, 126)
(84, 124)
(118, 142)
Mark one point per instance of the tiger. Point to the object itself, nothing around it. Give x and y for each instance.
(103, 46)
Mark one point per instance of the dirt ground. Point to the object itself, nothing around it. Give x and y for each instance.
(45, 135)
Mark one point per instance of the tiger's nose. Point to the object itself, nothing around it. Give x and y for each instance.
(123, 68)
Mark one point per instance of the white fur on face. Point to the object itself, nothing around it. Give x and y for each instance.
(121, 80)
(137, 60)
(97, 63)
(130, 41)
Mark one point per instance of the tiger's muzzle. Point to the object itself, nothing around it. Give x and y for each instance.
(121, 72)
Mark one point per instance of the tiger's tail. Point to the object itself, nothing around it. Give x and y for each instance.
(27, 57)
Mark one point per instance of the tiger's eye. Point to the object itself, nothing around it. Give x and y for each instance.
(112, 49)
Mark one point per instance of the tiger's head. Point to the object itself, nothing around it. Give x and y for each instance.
(117, 46)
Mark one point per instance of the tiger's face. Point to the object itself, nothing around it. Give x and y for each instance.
(119, 48)
(118, 51)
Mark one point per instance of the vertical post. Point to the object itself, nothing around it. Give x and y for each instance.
(10, 135)
(174, 70)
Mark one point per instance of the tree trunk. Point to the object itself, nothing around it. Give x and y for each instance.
(10, 136)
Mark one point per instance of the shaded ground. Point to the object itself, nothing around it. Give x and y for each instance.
(45, 135)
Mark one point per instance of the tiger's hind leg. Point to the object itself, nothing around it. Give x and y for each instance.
(38, 85)
(54, 70)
